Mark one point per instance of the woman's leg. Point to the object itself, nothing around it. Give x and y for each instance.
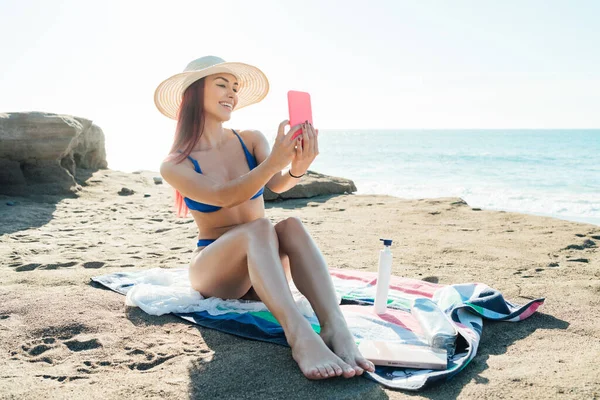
(311, 277)
(247, 256)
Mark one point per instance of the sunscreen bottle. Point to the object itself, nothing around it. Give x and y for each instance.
(383, 277)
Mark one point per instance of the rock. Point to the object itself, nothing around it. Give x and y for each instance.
(41, 152)
(126, 192)
(589, 243)
(157, 180)
(268, 195)
(460, 202)
(313, 184)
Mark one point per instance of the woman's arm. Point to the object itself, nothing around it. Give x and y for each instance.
(305, 153)
(203, 189)
(280, 181)
(200, 188)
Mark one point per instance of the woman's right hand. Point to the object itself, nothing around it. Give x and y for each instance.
(284, 147)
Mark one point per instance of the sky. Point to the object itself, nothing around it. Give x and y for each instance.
(367, 64)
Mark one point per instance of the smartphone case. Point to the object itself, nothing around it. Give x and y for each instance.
(299, 109)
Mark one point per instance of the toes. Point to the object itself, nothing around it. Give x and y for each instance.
(313, 373)
(329, 369)
(322, 371)
(358, 370)
(349, 372)
(338, 370)
(366, 364)
(350, 367)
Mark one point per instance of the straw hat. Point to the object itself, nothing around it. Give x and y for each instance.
(253, 87)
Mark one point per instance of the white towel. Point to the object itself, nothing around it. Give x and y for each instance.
(161, 291)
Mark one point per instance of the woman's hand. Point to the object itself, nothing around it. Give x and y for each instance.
(283, 151)
(307, 149)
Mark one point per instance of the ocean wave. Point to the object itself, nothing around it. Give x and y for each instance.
(565, 205)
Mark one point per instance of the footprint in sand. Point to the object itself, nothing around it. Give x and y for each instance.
(581, 260)
(573, 249)
(26, 267)
(92, 366)
(77, 345)
(63, 378)
(55, 343)
(587, 244)
(140, 359)
(153, 361)
(33, 266)
(59, 265)
(94, 264)
(37, 347)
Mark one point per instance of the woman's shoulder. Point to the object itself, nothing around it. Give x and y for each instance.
(173, 162)
(172, 158)
(248, 133)
(251, 136)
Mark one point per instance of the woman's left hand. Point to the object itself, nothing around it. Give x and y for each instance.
(307, 149)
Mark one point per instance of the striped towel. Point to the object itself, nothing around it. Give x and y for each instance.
(466, 305)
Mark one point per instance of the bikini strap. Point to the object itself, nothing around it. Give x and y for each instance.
(249, 157)
(196, 165)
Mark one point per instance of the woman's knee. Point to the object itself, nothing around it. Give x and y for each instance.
(261, 229)
(289, 226)
(289, 231)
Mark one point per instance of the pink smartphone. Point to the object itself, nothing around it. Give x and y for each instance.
(299, 108)
(403, 355)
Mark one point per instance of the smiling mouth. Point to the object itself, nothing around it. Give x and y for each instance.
(227, 106)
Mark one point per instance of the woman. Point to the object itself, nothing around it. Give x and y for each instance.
(219, 174)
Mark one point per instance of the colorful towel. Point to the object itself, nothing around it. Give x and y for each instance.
(466, 304)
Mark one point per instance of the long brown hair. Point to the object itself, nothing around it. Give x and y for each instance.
(190, 125)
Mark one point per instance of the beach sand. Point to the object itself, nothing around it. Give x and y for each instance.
(63, 337)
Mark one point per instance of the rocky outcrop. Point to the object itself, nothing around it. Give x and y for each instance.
(41, 152)
(313, 184)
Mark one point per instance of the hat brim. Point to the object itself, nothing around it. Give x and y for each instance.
(253, 86)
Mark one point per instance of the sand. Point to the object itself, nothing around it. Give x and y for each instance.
(63, 337)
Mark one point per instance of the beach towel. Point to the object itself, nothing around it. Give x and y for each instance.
(168, 290)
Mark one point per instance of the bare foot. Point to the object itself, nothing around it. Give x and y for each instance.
(315, 359)
(340, 340)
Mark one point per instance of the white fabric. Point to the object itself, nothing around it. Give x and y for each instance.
(161, 291)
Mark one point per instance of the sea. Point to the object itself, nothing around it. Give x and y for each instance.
(542, 172)
(552, 173)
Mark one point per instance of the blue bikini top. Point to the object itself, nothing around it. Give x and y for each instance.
(206, 208)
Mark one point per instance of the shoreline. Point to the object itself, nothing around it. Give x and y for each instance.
(577, 219)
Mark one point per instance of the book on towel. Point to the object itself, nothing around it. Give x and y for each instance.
(403, 355)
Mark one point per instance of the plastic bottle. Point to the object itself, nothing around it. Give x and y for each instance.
(437, 328)
(383, 277)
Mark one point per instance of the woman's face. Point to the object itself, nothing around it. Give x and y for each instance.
(220, 95)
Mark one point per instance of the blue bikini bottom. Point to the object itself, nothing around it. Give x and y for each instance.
(205, 242)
